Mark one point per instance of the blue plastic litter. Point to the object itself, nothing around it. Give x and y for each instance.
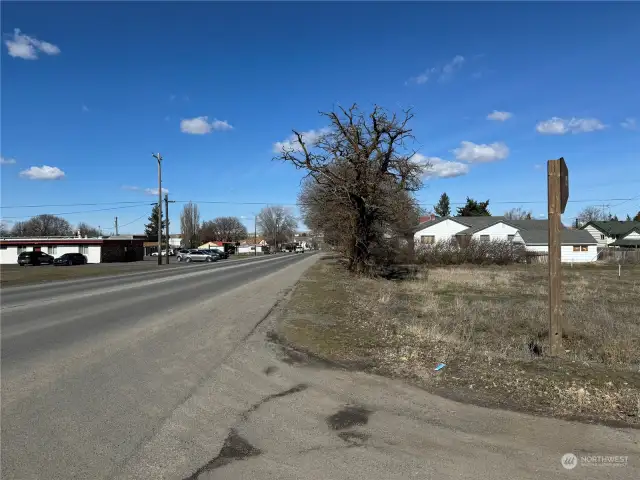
(440, 366)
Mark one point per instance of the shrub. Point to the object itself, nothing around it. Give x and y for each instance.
(450, 252)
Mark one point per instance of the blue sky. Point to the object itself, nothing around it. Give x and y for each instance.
(89, 90)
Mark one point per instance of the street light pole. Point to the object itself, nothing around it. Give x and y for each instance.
(158, 157)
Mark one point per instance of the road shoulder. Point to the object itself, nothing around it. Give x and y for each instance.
(358, 324)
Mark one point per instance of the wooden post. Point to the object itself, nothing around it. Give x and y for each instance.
(558, 194)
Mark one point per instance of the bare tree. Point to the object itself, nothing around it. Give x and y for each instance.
(45, 225)
(591, 214)
(363, 164)
(277, 224)
(5, 230)
(224, 229)
(87, 230)
(190, 225)
(518, 214)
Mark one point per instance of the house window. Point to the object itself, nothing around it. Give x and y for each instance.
(602, 237)
(580, 248)
(428, 239)
(485, 238)
(511, 237)
(53, 250)
(84, 249)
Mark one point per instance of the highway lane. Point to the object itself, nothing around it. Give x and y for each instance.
(92, 368)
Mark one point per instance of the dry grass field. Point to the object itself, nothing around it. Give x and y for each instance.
(489, 325)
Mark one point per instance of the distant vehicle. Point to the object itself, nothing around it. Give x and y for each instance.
(34, 258)
(163, 253)
(71, 259)
(214, 253)
(299, 249)
(222, 253)
(197, 256)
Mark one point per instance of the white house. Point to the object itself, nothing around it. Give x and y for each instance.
(577, 246)
(96, 249)
(606, 233)
(481, 228)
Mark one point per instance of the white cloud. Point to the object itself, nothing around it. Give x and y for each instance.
(27, 48)
(44, 172)
(538, 166)
(435, 167)
(441, 73)
(130, 187)
(310, 139)
(479, 153)
(7, 161)
(202, 126)
(154, 191)
(499, 116)
(630, 124)
(85, 108)
(562, 126)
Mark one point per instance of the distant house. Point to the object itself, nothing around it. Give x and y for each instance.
(614, 233)
(483, 228)
(577, 246)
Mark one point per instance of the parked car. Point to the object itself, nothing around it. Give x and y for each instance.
(34, 258)
(299, 249)
(197, 256)
(222, 253)
(71, 259)
(163, 253)
(217, 253)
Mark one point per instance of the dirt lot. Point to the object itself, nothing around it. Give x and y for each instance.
(489, 325)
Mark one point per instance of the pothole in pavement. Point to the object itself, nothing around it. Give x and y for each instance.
(234, 448)
(348, 417)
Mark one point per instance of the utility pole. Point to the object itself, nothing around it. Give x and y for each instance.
(116, 226)
(255, 236)
(558, 194)
(166, 215)
(158, 157)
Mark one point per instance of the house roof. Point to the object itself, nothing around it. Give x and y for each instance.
(475, 224)
(568, 237)
(626, 242)
(614, 227)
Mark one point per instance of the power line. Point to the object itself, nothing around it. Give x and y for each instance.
(222, 202)
(83, 211)
(72, 205)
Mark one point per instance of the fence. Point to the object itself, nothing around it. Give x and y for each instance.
(536, 258)
(619, 255)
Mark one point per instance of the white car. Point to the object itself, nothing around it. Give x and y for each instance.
(299, 249)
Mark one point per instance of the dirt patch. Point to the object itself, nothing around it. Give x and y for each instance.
(489, 325)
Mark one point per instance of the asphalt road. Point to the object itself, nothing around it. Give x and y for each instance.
(91, 368)
(175, 378)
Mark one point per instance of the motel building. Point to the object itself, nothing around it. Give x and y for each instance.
(121, 248)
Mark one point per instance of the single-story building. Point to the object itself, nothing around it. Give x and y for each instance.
(606, 233)
(483, 228)
(121, 248)
(577, 246)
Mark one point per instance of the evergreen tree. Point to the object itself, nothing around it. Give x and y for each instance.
(443, 207)
(151, 228)
(474, 208)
